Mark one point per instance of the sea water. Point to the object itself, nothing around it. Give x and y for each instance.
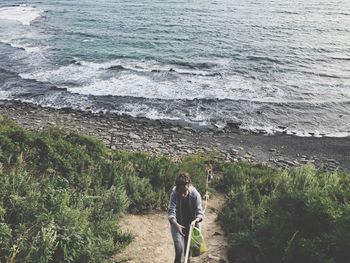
(270, 65)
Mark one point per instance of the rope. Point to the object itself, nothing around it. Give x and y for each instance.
(209, 177)
(206, 197)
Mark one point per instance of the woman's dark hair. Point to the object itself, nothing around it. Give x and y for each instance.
(182, 179)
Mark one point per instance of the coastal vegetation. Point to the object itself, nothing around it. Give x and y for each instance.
(62, 193)
(272, 216)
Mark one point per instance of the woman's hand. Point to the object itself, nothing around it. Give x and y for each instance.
(179, 227)
(193, 223)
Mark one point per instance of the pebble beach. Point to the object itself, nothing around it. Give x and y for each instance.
(175, 139)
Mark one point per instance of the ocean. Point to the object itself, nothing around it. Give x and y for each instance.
(265, 65)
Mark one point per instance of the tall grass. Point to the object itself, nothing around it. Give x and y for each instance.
(286, 216)
(61, 193)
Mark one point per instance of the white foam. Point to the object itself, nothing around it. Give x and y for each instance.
(161, 86)
(338, 134)
(141, 82)
(141, 66)
(28, 48)
(92, 78)
(56, 100)
(23, 14)
(71, 73)
(5, 94)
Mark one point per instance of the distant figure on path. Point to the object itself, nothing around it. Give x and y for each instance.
(185, 206)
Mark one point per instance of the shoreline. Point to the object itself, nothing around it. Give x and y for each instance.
(176, 138)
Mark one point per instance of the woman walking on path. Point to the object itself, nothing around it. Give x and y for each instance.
(184, 208)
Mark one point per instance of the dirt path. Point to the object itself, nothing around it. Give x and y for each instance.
(153, 241)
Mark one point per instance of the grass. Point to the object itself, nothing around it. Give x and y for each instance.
(61, 194)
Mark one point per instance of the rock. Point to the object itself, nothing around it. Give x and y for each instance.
(233, 125)
(261, 131)
(134, 136)
(174, 129)
(152, 145)
(211, 257)
(234, 151)
(272, 150)
(289, 163)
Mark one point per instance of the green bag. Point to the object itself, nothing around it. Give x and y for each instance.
(197, 245)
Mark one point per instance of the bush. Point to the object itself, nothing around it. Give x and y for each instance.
(61, 193)
(285, 216)
(141, 194)
(53, 204)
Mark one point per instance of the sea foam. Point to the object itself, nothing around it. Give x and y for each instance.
(23, 14)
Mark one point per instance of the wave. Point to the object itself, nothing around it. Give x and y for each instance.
(264, 58)
(146, 67)
(83, 34)
(194, 65)
(287, 12)
(116, 67)
(26, 47)
(152, 80)
(22, 13)
(341, 58)
(7, 72)
(325, 75)
(142, 67)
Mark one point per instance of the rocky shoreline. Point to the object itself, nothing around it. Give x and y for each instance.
(175, 138)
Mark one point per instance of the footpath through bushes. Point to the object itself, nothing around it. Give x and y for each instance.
(61, 194)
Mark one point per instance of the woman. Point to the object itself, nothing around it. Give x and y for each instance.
(184, 209)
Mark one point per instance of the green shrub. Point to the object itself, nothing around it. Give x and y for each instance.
(341, 237)
(238, 210)
(141, 194)
(244, 248)
(5, 239)
(54, 206)
(293, 216)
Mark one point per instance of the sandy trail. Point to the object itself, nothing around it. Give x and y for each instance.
(153, 241)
